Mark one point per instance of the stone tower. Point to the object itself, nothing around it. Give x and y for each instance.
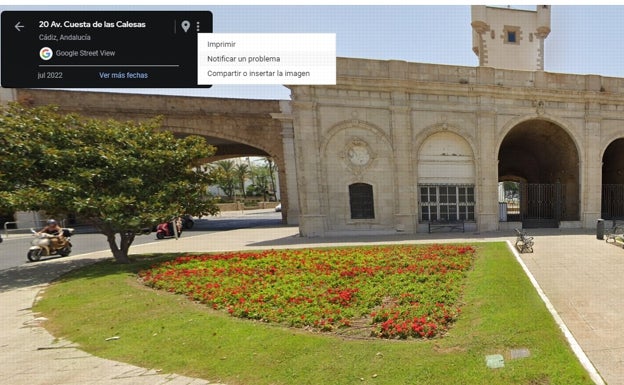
(510, 38)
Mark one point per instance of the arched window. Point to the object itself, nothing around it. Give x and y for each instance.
(361, 201)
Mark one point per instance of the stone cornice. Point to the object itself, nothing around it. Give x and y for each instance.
(400, 109)
(304, 105)
(480, 26)
(150, 105)
(372, 84)
(401, 75)
(282, 117)
(543, 32)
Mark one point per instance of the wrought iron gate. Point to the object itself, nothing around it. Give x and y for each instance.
(612, 201)
(541, 205)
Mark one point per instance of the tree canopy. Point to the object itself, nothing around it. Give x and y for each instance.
(120, 176)
(224, 174)
(230, 176)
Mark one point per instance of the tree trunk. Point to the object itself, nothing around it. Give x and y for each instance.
(242, 188)
(120, 252)
(272, 176)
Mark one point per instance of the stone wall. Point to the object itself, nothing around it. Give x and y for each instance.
(404, 113)
(237, 127)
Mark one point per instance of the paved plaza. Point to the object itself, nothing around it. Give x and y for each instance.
(579, 275)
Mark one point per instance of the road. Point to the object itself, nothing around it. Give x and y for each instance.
(13, 249)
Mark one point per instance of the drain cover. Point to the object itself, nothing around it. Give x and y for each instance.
(494, 361)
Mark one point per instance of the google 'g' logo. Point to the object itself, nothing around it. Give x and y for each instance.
(45, 53)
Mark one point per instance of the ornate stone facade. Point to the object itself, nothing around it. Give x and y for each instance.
(393, 140)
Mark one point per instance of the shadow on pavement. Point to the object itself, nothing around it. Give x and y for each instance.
(237, 223)
(39, 273)
(419, 237)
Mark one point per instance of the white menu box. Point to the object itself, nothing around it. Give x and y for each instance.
(266, 58)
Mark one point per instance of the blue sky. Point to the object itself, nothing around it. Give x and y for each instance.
(584, 39)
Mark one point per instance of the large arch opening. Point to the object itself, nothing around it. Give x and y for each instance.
(244, 153)
(543, 161)
(612, 203)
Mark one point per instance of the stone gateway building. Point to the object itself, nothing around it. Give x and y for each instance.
(397, 146)
(408, 147)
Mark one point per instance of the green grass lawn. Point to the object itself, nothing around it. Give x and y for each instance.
(159, 330)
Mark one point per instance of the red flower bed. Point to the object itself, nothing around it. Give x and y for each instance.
(401, 291)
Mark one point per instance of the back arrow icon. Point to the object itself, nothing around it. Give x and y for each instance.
(18, 26)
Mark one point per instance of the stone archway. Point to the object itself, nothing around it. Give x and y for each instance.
(612, 202)
(237, 127)
(446, 157)
(446, 178)
(545, 156)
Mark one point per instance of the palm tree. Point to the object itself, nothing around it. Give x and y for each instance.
(224, 175)
(272, 171)
(242, 172)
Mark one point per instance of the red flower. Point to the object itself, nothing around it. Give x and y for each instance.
(408, 290)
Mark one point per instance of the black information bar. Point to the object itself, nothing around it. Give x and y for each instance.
(101, 49)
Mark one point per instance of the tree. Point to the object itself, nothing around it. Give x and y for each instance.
(272, 168)
(120, 176)
(511, 187)
(241, 171)
(224, 176)
(261, 180)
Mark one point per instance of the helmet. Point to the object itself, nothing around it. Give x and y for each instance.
(51, 222)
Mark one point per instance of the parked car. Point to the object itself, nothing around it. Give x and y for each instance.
(187, 221)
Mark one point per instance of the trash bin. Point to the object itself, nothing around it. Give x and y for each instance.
(600, 229)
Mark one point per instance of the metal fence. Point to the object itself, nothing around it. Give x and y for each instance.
(612, 201)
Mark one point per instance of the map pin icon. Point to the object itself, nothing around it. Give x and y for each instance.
(185, 25)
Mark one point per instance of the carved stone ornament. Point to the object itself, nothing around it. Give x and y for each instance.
(444, 122)
(358, 155)
(539, 106)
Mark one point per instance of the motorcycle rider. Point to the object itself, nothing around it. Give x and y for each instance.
(53, 228)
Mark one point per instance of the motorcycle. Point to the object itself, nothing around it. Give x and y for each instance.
(167, 229)
(44, 245)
